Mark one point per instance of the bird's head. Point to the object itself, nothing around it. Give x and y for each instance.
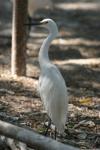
(48, 24)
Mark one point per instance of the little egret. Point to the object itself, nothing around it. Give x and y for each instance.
(52, 87)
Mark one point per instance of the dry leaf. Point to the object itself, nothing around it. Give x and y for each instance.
(85, 101)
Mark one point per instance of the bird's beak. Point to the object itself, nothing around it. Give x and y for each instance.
(34, 23)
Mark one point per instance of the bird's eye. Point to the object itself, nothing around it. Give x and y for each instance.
(46, 22)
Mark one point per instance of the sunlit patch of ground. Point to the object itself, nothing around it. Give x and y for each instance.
(79, 6)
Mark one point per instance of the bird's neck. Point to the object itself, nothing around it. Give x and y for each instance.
(43, 54)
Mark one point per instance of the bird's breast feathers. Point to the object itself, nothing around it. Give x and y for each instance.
(53, 93)
(52, 84)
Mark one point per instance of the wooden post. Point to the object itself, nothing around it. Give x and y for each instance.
(18, 56)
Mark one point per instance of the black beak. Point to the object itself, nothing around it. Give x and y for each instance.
(34, 22)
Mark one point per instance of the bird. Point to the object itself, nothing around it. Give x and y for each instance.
(52, 86)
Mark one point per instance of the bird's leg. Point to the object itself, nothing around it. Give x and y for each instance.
(55, 133)
(48, 127)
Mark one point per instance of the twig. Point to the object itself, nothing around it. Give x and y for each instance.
(73, 131)
(22, 146)
(7, 91)
(11, 144)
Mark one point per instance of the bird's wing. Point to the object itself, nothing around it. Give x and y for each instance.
(53, 92)
(50, 80)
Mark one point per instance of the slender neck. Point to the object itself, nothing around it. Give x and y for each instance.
(43, 54)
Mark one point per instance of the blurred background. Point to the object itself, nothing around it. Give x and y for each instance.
(76, 51)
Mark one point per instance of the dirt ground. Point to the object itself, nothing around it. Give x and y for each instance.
(76, 52)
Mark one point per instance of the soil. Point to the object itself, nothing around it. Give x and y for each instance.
(76, 52)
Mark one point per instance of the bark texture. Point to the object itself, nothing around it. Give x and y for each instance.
(18, 58)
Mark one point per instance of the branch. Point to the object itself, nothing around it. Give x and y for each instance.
(31, 138)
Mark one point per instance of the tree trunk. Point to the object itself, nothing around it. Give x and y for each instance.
(18, 58)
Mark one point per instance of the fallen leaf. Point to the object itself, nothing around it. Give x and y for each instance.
(86, 101)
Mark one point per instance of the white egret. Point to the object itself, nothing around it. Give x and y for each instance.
(52, 87)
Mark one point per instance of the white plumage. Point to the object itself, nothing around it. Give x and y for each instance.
(52, 87)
